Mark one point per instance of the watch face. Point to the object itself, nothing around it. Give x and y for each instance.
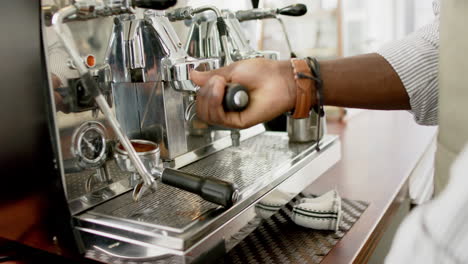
(89, 144)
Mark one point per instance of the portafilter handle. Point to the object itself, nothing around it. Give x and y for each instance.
(211, 189)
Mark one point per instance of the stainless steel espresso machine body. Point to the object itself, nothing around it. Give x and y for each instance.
(140, 178)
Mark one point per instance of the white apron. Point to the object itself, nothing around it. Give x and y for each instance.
(453, 100)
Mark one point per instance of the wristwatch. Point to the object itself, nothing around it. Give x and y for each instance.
(303, 89)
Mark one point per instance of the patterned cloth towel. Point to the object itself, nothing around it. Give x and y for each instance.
(279, 240)
(322, 213)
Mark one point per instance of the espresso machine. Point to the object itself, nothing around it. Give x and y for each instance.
(129, 174)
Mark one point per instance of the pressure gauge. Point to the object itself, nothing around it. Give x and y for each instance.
(89, 144)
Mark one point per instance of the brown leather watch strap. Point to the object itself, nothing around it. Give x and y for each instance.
(303, 89)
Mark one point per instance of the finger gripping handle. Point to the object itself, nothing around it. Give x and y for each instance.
(236, 98)
(211, 189)
(293, 10)
(154, 4)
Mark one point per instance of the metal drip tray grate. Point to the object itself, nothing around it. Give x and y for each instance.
(251, 163)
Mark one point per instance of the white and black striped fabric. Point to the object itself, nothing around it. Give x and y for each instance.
(416, 60)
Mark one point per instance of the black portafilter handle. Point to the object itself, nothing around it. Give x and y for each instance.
(293, 10)
(236, 98)
(211, 189)
(154, 4)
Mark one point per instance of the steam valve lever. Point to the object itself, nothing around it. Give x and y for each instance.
(236, 99)
(263, 13)
(293, 10)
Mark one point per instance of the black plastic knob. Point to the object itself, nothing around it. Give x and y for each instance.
(154, 4)
(293, 10)
(236, 98)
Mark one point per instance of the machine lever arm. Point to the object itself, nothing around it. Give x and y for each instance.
(263, 13)
(211, 189)
(236, 98)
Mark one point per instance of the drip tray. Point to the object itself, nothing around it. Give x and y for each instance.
(252, 166)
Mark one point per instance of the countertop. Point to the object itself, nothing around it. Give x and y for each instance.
(379, 151)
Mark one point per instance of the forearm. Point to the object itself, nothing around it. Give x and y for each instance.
(365, 81)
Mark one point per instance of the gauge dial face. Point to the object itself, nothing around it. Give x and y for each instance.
(90, 144)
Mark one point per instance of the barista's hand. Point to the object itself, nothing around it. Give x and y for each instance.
(271, 89)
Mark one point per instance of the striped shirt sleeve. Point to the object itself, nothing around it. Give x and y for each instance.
(416, 61)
